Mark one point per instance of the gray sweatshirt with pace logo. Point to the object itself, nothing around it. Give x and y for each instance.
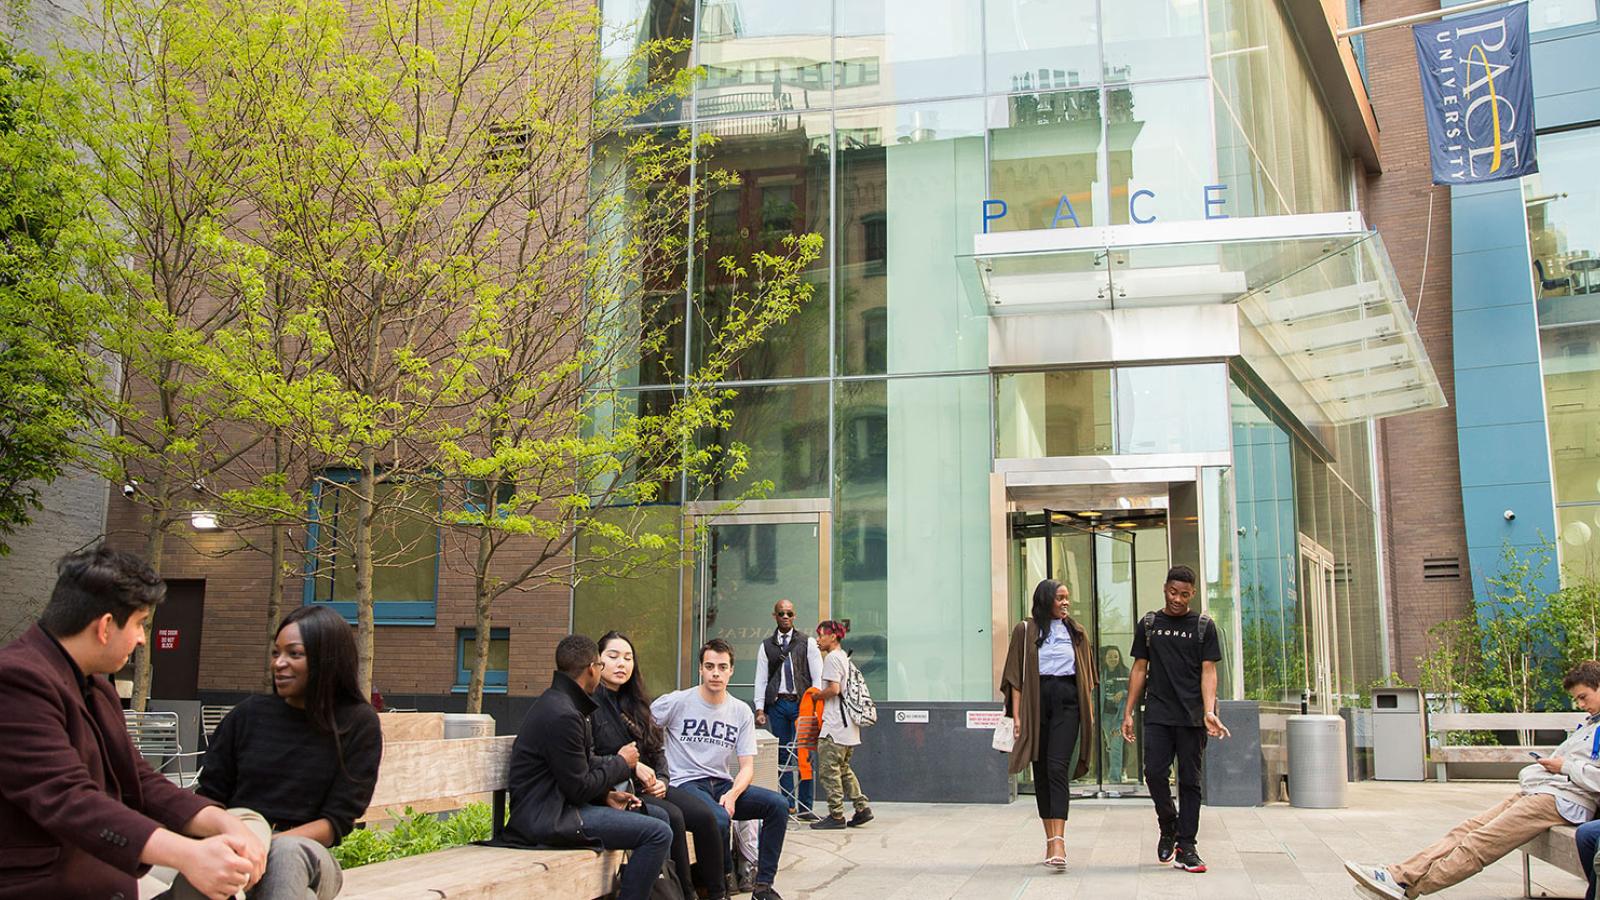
(1579, 780)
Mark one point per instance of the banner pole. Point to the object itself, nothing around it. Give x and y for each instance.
(1421, 17)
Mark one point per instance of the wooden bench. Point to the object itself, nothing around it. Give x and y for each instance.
(1556, 847)
(442, 774)
(415, 772)
(1443, 723)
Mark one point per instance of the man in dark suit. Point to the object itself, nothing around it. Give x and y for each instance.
(81, 813)
(561, 793)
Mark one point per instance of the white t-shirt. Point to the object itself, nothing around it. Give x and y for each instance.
(704, 740)
(836, 668)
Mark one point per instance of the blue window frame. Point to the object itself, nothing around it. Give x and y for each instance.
(406, 584)
(494, 678)
(478, 497)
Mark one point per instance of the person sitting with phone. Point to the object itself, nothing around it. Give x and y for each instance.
(1559, 789)
(562, 794)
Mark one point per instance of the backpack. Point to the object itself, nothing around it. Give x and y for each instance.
(1200, 630)
(855, 701)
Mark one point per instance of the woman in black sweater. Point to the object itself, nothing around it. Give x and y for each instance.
(304, 758)
(623, 717)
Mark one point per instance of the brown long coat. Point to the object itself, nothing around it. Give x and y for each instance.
(1022, 673)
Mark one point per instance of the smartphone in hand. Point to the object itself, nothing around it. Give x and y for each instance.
(1534, 755)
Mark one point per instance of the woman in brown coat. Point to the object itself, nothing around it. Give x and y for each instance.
(1048, 685)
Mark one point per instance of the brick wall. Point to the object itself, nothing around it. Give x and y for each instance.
(1417, 454)
(409, 659)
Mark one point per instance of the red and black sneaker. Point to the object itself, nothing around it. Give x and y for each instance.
(1165, 846)
(1188, 860)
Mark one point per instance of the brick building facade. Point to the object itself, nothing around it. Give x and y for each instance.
(1418, 460)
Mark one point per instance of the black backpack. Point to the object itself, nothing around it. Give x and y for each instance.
(1149, 622)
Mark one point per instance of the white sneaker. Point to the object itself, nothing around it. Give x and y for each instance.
(1375, 879)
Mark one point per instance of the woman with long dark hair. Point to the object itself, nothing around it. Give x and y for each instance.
(1048, 685)
(623, 716)
(302, 761)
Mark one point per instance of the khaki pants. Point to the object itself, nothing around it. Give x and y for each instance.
(837, 778)
(297, 869)
(1477, 842)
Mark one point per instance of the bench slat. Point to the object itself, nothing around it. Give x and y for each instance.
(399, 727)
(486, 873)
(429, 770)
(1486, 754)
(1503, 721)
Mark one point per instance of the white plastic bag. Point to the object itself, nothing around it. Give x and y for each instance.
(1005, 734)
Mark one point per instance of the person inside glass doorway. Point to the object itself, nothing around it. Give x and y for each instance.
(1048, 685)
(1175, 653)
(787, 665)
(1113, 692)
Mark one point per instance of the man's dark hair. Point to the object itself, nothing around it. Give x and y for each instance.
(1585, 673)
(91, 583)
(574, 654)
(1181, 573)
(716, 645)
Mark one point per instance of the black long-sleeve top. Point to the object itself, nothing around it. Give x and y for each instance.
(267, 756)
(612, 731)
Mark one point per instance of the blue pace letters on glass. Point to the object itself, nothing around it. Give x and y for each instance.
(1211, 199)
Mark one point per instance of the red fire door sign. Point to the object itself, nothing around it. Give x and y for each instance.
(166, 638)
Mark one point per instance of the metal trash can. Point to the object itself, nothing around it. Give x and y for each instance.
(468, 725)
(1317, 765)
(1399, 735)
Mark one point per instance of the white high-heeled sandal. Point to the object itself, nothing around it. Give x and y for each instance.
(1059, 863)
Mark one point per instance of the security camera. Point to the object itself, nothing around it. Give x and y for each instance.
(129, 489)
(1509, 514)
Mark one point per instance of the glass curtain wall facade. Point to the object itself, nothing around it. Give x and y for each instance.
(1563, 207)
(884, 125)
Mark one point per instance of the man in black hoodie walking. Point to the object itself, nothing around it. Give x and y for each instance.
(561, 793)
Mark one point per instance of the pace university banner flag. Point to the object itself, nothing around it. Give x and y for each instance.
(1477, 91)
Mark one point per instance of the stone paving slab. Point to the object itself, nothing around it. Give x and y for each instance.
(1277, 852)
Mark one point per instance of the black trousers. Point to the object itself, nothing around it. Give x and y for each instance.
(1058, 740)
(1186, 744)
(689, 815)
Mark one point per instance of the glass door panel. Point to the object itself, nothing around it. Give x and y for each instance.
(1104, 569)
(1116, 609)
(745, 568)
(1318, 628)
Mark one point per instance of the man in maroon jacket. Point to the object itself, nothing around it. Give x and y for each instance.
(81, 813)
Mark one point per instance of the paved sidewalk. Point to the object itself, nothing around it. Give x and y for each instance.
(924, 852)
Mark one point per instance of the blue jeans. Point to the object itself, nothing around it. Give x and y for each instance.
(1588, 842)
(754, 803)
(646, 833)
(781, 716)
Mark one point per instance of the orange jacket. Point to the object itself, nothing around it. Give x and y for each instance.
(810, 707)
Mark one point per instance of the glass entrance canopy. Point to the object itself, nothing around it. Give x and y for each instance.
(1316, 292)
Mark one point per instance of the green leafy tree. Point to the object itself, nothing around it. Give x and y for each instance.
(441, 302)
(164, 125)
(51, 382)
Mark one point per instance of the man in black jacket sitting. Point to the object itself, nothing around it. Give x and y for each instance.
(561, 793)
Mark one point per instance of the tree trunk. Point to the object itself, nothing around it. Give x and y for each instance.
(362, 549)
(154, 541)
(274, 598)
(482, 600)
(280, 537)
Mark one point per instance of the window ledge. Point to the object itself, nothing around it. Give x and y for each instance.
(487, 689)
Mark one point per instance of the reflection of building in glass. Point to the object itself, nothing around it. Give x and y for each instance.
(930, 441)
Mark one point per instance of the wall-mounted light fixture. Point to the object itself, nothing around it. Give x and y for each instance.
(203, 520)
